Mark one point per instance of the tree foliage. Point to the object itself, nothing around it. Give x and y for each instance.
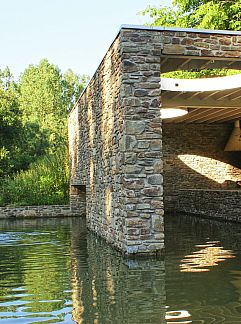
(210, 14)
(33, 125)
(46, 95)
(20, 143)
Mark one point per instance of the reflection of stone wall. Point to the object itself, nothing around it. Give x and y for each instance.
(121, 291)
(109, 289)
(210, 291)
(37, 211)
(194, 158)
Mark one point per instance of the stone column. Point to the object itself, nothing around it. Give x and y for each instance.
(141, 144)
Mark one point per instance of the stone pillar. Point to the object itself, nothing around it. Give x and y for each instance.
(142, 186)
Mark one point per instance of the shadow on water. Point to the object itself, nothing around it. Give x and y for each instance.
(54, 271)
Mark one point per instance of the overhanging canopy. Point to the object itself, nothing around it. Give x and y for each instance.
(209, 100)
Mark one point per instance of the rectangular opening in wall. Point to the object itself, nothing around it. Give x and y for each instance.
(78, 199)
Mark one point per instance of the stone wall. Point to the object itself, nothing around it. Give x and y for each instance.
(115, 145)
(38, 211)
(201, 44)
(218, 204)
(115, 133)
(77, 199)
(194, 158)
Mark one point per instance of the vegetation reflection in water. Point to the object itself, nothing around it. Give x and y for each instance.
(53, 271)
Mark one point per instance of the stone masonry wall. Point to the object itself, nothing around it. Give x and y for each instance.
(115, 145)
(38, 211)
(194, 158)
(142, 146)
(201, 44)
(95, 128)
(116, 133)
(218, 204)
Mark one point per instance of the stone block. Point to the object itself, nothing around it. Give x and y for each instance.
(173, 49)
(155, 179)
(153, 191)
(140, 93)
(142, 206)
(135, 127)
(134, 184)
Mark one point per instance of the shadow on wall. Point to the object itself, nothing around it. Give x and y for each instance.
(224, 174)
(194, 158)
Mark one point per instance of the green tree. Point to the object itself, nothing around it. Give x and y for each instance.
(33, 133)
(41, 100)
(210, 14)
(20, 144)
(73, 85)
(10, 127)
(45, 97)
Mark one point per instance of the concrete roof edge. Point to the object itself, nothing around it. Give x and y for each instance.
(178, 29)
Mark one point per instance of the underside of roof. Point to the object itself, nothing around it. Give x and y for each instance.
(212, 100)
(178, 62)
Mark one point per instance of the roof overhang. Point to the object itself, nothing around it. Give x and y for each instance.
(208, 100)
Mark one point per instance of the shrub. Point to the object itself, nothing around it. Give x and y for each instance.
(44, 183)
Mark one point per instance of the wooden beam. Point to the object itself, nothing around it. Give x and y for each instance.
(229, 94)
(231, 117)
(203, 114)
(217, 115)
(187, 62)
(199, 103)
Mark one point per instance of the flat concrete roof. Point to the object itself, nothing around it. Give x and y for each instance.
(177, 29)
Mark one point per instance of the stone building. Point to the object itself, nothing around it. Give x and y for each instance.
(128, 163)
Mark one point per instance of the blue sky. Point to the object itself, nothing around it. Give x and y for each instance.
(69, 33)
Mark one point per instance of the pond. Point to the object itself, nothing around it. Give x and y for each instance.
(54, 271)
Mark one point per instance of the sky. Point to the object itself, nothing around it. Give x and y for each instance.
(69, 33)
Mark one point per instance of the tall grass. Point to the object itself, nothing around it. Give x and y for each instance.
(44, 183)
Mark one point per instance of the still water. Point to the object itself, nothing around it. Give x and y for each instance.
(53, 271)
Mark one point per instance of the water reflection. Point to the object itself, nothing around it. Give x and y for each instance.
(181, 316)
(203, 259)
(118, 291)
(52, 271)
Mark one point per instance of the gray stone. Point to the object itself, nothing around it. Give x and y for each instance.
(134, 169)
(153, 191)
(143, 144)
(135, 127)
(129, 66)
(127, 143)
(140, 93)
(155, 179)
(142, 206)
